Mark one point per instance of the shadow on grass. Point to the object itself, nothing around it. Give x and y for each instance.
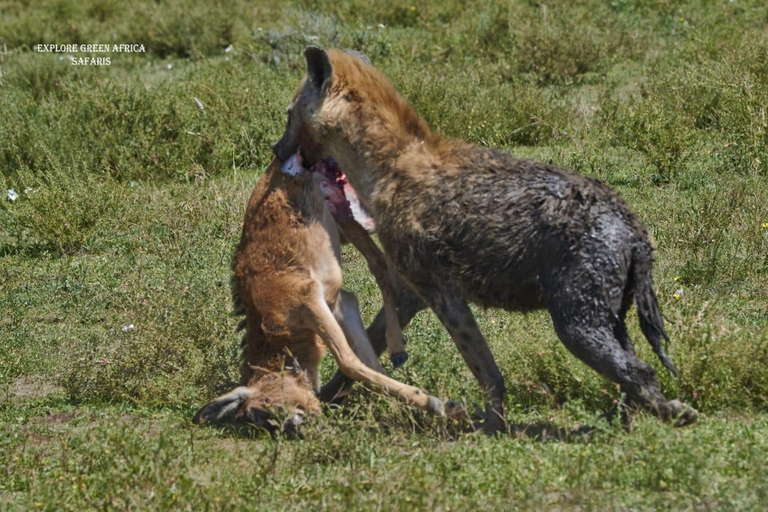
(232, 428)
(543, 432)
(548, 432)
(368, 411)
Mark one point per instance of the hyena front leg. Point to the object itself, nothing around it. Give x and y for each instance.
(360, 238)
(457, 317)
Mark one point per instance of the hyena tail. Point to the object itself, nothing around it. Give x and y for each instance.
(651, 321)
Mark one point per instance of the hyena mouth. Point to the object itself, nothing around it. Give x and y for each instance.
(340, 198)
(339, 195)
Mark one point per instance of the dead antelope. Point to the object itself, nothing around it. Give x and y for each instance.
(287, 281)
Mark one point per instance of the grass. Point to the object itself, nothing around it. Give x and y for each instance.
(132, 181)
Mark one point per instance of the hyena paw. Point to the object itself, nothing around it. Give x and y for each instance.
(398, 359)
(682, 414)
(489, 422)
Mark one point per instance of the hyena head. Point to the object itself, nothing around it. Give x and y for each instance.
(347, 109)
(309, 116)
(274, 401)
(328, 114)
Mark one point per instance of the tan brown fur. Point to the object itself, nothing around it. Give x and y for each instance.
(270, 274)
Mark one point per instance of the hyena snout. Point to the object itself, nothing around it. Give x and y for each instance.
(284, 148)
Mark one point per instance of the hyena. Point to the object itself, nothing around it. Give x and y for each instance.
(287, 281)
(462, 223)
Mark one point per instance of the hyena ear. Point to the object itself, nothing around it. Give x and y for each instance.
(319, 69)
(360, 55)
(220, 407)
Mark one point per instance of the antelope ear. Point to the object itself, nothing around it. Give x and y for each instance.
(220, 407)
(301, 378)
(257, 372)
(319, 69)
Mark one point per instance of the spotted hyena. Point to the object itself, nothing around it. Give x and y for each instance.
(462, 223)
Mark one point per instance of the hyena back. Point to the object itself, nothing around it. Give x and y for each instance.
(468, 224)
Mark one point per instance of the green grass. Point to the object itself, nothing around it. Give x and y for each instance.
(131, 199)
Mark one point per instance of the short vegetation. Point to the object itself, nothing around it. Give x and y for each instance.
(122, 192)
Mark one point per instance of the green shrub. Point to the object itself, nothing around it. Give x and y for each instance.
(133, 133)
(503, 114)
(59, 209)
(662, 136)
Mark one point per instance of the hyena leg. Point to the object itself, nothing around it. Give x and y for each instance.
(457, 317)
(599, 348)
(408, 305)
(360, 238)
(320, 319)
(347, 313)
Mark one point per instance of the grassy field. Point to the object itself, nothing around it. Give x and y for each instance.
(122, 194)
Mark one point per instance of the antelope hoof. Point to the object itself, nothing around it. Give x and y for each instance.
(436, 406)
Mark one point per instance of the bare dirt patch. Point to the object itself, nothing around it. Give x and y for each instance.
(31, 387)
(55, 419)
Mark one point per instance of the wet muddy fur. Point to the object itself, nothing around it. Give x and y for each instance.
(468, 224)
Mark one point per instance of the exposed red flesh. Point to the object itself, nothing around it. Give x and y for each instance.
(340, 197)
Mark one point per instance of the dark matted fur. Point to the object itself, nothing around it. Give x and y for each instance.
(464, 224)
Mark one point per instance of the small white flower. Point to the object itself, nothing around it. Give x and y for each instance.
(199, 103)
(12, 195)
(381, 25)
(169, 67)
(27, 190)
(228, 49)
(128, 328)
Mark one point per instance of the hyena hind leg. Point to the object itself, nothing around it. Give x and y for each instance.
(599, 348)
